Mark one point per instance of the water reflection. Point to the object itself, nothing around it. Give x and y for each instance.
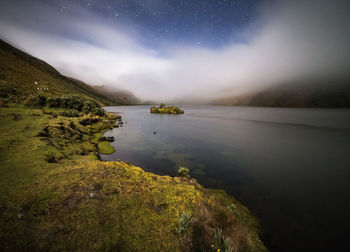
(289, 166)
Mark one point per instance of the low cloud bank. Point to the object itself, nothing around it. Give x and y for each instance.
(292, 40)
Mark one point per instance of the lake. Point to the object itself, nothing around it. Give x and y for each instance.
(290, 167)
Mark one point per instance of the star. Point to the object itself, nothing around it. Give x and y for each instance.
(211, 21)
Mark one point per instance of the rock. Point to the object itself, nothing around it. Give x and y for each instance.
(109, 139)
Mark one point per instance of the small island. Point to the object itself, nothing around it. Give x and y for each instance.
(163, 109)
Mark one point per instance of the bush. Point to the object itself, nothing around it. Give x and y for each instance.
(70, 113)
(54, 102)
(73, 102)
(36, 101)
(98, 111)
(183, 172)
(185, 221)
(89, 106)
(76, 103)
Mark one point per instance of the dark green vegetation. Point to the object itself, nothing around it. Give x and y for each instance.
(73, 105)
(23, 76)
(55, 193)
(332, 94)
(162, 109)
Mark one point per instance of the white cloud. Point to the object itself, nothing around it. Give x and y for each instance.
(297, 39)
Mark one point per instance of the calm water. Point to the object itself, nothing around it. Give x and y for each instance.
(290, 167)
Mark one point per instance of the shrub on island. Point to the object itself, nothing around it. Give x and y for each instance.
(163, 109)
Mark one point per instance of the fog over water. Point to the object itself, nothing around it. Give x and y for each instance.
(289, 41)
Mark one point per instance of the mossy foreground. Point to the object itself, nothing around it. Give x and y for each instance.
(55, 195)
(162, 109)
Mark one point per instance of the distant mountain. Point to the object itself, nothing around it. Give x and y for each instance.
(314, 94)
(121, 97)
(23, 75)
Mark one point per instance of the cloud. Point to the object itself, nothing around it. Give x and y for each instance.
(293, 40)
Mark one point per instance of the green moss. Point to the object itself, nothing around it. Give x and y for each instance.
(104, 147)
(81, 203)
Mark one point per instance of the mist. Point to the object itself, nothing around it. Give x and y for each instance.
(292, 40)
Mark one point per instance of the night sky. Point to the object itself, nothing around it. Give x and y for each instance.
(199, 49)
(192, 22)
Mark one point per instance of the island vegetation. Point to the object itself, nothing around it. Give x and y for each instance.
(55, 193)
(163, 109)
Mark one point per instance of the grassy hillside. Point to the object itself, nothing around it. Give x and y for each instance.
(22, 75)
(56, 195)
(332, 94)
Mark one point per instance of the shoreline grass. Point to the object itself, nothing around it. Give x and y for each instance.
(56, 195)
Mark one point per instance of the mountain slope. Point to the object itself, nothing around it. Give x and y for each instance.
(325, 94)
(122, 97)
(24, 75)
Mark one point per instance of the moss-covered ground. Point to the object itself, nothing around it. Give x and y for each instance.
(56, 195)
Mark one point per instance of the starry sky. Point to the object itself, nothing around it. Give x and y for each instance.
(191, 22)
(166, 49)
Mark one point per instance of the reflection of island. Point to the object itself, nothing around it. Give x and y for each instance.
(163, 109)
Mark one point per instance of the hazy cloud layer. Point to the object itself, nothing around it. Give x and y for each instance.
(294, 40)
